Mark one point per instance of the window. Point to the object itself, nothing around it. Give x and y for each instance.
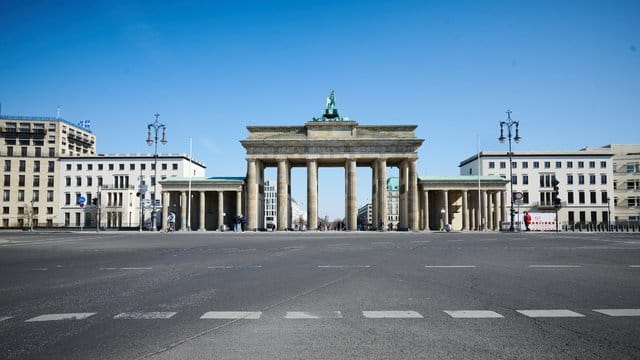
(604, 197)
(7, 180)
(99, 180)
(36, 180)
(78, 180)
(5, 210)
(580, 164)
(592, 197)
(514, 165)
(51, 166)
(603, 164)
(23, 166)
(49, 195)
(492, 165)
(36, 195)
(38, 152)
(581, 197)
(132, 166)
(569, 197)
(50, 181)
(525, 164)
(580, 179)
(52, 152)
(21, 180)
(89, 166)
(100, 167)
(79, 167)
(51, 139)
(514, 179)
(143, 166)
(153, 166)
(89, 181)
(634, 202)
(569, 179)
(174, 166)
(121, 166)
(153, 180)
(23, 151)
(20, 195)
(592, 179)
(546, 179)
(525, 179)
(67, 181)
(525, 197)
(631, 184)
(68, 167)
(547, 164)
(603, 179)
(110, 167)
(631, 167)
(49, 210)
(558, 164)
(7, 165)
(592, 164)
(6, 195)
(36, 166)
(536, 165)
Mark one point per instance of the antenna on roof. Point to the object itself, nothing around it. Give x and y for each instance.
(59, 110)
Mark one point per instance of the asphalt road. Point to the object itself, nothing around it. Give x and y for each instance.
(320, 295)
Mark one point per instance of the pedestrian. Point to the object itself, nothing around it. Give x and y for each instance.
(527, 220)
(243, 222)
(236, 223)
(171, 220)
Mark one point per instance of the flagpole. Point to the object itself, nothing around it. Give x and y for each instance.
(479, 212)
(189, 196)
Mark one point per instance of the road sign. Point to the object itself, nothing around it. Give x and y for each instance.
(142, 188)
(81, 201)
(518, 195)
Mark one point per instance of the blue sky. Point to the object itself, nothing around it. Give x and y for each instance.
(569, 71)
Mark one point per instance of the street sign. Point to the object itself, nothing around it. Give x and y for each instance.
(81, 201)
(142, 188)
(518, 195)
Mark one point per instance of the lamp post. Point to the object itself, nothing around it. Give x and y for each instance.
(509, 123)
(608, 213)
(98, 208)
(155, 126)
(442, 214)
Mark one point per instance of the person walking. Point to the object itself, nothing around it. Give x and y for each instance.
(243, 222)
(236, 223)
(527, 220)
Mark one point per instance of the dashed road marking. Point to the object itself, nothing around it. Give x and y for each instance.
(303, 315)
(549, 313)
(473, 314)
(554, 266)
(3, 318)
(634, 266)
(619, 312)
(58, 317)
(343, 266)
(393, 314)
(382, 243)
(124, 268)
(234, 267)
(145, 315)
(40, 269)
(448, 266)
(231, 315)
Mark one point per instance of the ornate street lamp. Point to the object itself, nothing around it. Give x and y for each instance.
(509, 123)
(155, 126)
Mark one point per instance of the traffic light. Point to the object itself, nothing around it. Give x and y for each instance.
(556, 192)
(94, 201)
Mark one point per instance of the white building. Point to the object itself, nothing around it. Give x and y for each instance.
(626, 182)
(270, 204)
(113, 182)
(585, 177)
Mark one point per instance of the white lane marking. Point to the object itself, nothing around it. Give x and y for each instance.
(448, 266)
(549, 313)
(382, 243)
(338, 245)
(554, 266)
(232, 315)
(145, 315)
(302, 315)
(473, 314)
(343, 266)
(57, 317)
(619, 312)
(40, 269)
(393, 314)
(634, 266)
(124, 268)
(3, 318)
(420, 242)
(233, 267)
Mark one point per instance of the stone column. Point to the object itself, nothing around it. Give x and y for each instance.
(374, 195)
(238, 202)
(426, 210)
(312, 194)
(183, 211)
(351, 213)
(220, 210)
(383, 202)
(482, 209)
(413, 196)
(283, 201)
(503, 207)
(165, 209)
(445, 206)
(252, 195)
(202, 211)
(465, 210)
(403, 206)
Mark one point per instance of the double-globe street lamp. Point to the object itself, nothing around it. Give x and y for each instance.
(156, 126)
(509, 123)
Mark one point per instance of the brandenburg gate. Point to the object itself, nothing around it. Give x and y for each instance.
(332, 141)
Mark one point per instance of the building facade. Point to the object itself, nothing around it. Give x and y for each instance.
(585, 181)
(110, 186)
(30, 149)
(626, 182)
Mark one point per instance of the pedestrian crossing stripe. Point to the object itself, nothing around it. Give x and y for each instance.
(58, 317)
(232, 315)
(549, 313)
(145, 315)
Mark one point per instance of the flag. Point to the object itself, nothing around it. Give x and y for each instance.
(86, 124)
